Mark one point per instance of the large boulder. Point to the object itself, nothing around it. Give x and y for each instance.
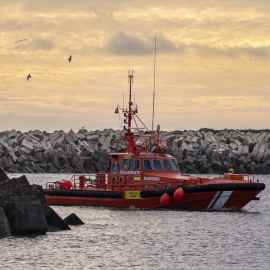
(53, 219)
(4, 224)
(25, 217)
(3, 175)
(73, 219)
(22, 207)
(38, 190)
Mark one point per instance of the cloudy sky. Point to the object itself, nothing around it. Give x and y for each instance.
(212, 63)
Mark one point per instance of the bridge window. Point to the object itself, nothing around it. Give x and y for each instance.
(132, 164)
(137, 165)
(147, 165)
(174, 165)
(125, 164)
(166, 164)
(157, 165)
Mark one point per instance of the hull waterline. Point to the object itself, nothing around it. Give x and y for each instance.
(205, 197)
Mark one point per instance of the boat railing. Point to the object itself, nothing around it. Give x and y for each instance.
(80, 182)
(145, 143)
(245, 177)
(105, 182)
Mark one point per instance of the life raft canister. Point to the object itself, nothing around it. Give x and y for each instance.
(66, 184)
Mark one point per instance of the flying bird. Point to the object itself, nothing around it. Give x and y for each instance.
(20, 40)
(69, 59)
(28, 77)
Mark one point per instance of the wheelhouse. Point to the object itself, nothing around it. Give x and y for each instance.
(144, 165)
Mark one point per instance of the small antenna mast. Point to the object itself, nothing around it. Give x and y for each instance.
(154, 93)
(130, 80)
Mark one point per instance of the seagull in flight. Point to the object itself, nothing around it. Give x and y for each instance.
(69, 59)
(20, 40)
(28, 77)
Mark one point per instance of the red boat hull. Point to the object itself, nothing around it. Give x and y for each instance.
(214, 200)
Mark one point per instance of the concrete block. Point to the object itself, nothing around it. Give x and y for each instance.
(198, 134)
(245, 150)
(81, 136)
(218, 152)
(72, 136)
(4, 145)
(235, 154)
(262, 136)
(216, 143)
(170, 136)
(106, 143)
(57, 134)
(184, 148)
(239, 149)
(12, 134)
(209, 137)
(33, 138)
(26, 146)
(208, 149)
(237, 142)
(233, 146)
(13, 156)
(266, 156)
(260, 154)
(240, 136)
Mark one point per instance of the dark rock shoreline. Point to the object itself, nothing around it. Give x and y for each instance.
(24, 210)
(202, 151)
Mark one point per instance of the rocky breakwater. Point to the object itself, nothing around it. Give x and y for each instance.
(202, 151)
(216, 151)
(24, 211)
(58, 152)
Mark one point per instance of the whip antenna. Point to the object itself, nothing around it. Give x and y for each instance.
(154, 93)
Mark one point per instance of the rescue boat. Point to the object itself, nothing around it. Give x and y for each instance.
(145, 175)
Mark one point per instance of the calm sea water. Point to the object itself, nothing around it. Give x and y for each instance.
(147, 239)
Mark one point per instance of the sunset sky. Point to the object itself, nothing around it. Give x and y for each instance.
(212, 63)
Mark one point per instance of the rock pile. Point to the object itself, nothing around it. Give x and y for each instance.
(202, 151)
(42, 152)
(213, 151)
(23, 209)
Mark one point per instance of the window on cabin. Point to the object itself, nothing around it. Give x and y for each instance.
(174, 165)
(157, 165)
(125, 164)
(167, 166)
(137, 165)
(132, 164)
(147, 165)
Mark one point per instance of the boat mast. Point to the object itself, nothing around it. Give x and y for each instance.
(130, 79)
